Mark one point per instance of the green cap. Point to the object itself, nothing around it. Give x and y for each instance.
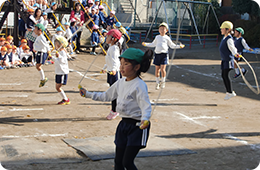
(40, 26)
(133, 54)
(239, 29)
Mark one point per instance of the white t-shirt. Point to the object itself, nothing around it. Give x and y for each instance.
(41, 44)
(132, 98)
(112, 59)
(162, 44)
(61, 63)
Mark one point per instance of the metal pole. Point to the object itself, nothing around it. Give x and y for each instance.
(195, 25)
(206, 19)
(135, 13)
(167, 19)
(16, 31)
(153, 21)
(215, 14)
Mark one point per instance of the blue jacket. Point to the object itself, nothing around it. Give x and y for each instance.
(95, 37)
(95, 20)
(110, 21)
(101, 16)
(73, 29)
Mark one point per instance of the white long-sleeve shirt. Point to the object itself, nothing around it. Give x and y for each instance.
(132, 98)
(61, 63)
(231, 46)
(68, 33)
(245, 45)
(112, 59)
(41, 44)
(162, 44)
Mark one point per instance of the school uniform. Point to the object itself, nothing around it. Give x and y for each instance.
(95, 20)
(161, 44)
(240, 44)
(50, 13)
(110, 21)
(42, 47)
(26, 57)
(133, 105)
(102, 18)
(61, 68)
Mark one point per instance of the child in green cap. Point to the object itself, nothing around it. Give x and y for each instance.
(133, 105)
(240, 44)
(41, 49)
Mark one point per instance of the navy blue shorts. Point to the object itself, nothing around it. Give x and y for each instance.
(61, 79)
(41, 57)
(160, 59)
(111, 79)
(129, 134)
(227, 64)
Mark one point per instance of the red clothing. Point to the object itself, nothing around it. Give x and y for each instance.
(82, 19)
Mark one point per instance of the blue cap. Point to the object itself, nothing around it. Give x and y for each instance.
(66, 23)
(44, 13)
(127, 28)
(36, 5)
(59, 29)
(104, 30)
(53, 3)
(118, 24)
(96, 0)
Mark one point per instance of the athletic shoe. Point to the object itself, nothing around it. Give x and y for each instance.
(112, 115)
(229, 95)
(237, 75)
(162, 85)
(42, 83)
(93, 53)
(157, 87)
(245, 71)
(77, 51)
(64, 102)
(72, 53)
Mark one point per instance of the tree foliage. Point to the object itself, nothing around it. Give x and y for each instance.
(247, 6)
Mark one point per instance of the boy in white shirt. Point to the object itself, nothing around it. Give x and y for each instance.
(42, 49)
(161, 44)
(61, 68)
(68, 35)
(59, 32)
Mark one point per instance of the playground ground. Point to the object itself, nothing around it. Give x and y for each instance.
(192, 113)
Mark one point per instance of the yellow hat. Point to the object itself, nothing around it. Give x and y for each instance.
(63, 41)
(3, 49)
(122, 30)
(2, 39)
(14, 47)
(164, 24)
(227, 24)
(26, 47)
(8, 46)
(9, 37)
(23, 41)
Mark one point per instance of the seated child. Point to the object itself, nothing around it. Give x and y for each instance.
(2, 41)
(50, 12)
(15, 60)
(10, 39)
(110, 20)
(26, 55)
(20, 49)
(3, 56)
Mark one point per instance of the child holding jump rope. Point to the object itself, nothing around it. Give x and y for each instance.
(227, 52)
(113, 64)
(41, 47)
(161, 43)
(61, 68)
(240, 44)
(133, 104)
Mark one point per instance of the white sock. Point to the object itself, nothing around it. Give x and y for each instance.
(71, 49)
(243, 70)
(42, 74)
(163, 79)
(237, 70)
(157, 80)
(63, 95)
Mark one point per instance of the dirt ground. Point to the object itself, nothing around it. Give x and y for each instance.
(191, 112)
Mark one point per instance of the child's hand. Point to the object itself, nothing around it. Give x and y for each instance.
(144, 124)
(143, 43)
(112, 73)
(238, 56)
(182, 46)
(251, 49)
(82, 92)
(57, 54)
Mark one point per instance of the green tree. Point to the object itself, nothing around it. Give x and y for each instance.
(247, 6)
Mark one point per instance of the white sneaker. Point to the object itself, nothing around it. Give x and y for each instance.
(157, 87)
(112, 115)
(162, 85)
(230, 95)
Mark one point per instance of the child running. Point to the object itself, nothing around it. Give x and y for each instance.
(61, 68)
(240, 44)
(161, 43)
(113, 64)
(41, 48)
(133, 104)
(227, 52)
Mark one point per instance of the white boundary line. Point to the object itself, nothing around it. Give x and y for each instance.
(10, 84)
(37, 135)
(83, 75)
(14, 109)
(9, 96)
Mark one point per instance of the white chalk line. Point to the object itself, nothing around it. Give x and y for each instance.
(172, 99)
(208, 75)
(14, 109)
(31, 136)
(207, 117)
(84, 76)
(10, 84)
(1, 110)
(10, 96)
(189, 119)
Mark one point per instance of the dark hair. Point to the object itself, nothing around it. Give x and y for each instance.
(145, 64)
(37, 11)
(72, 24)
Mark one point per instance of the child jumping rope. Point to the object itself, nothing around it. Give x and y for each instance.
(161, 43)
(113, 64)
(227, 52)
(133, 104)
(61, 68)
(41, 47)
(240, 44)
